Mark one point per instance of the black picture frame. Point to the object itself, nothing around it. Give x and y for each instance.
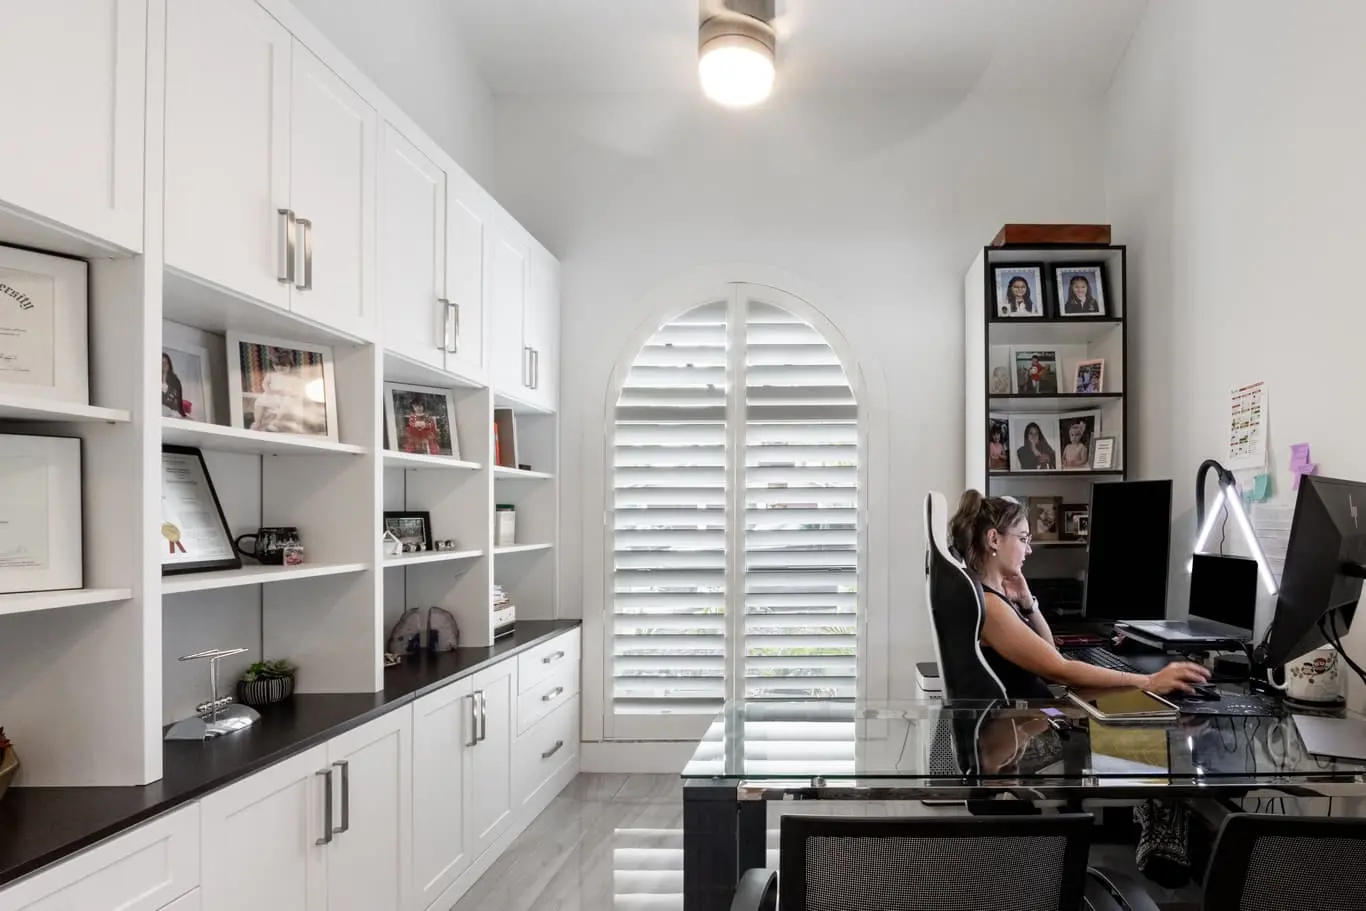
(1105, 305)
(1036, 272)
(405, 515)
(203, 566)
(1071, 512)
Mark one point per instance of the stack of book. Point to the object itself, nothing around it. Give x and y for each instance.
(504, 613)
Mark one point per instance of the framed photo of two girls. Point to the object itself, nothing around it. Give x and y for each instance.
(1071, 291)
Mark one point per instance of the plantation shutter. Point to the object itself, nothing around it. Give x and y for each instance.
(735, 505)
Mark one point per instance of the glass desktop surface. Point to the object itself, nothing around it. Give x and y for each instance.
(994, 741)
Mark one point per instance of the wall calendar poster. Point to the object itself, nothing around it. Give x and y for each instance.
(1247, 427)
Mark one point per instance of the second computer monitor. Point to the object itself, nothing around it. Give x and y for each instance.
(1128, 549)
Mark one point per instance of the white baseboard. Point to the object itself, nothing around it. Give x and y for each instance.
(636, 757)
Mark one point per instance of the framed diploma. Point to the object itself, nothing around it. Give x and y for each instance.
(40, 514)
(193, 535)
(43, 327)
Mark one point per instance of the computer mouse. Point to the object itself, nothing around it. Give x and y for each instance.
(1206, 692)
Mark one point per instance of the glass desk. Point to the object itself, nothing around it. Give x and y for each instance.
(925, 750)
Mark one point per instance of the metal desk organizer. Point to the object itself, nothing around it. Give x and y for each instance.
(221, 714)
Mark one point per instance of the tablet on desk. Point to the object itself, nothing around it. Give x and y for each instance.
(1125, 705)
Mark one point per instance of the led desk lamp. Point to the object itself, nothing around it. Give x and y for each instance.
(1229, 499)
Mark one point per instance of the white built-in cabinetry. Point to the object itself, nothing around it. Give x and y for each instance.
(525, 300)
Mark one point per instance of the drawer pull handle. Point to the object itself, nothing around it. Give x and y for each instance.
(553, 694)
(328, 830)
(552, 658)
(559, 744)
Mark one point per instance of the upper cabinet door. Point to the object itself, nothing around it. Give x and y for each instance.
(412, 269)
(332, 175)
(465, 277)
(507, 298)
(227, 146)
(75, 76)
(542, 328)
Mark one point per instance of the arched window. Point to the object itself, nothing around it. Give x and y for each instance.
(735, 514)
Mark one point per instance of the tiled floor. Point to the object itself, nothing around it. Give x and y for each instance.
(615, 843)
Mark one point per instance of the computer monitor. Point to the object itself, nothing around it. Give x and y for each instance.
(1224, 589)
(1128, 549)
(1325, 561)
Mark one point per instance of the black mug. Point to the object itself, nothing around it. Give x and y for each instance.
(269, 543)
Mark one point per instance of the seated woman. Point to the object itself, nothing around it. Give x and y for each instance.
(991, 534)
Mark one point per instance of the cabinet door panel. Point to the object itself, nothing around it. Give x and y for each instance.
(333, 136)
(366, 864)
(507, 299)
(490, 809)
(412, 251)
(465, 281)
(442, 725)
(227, 145)
(542, 327)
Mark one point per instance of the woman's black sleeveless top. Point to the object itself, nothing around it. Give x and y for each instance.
(1019, 683)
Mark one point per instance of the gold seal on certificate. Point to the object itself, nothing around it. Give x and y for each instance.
(43, 327)
(194, 533)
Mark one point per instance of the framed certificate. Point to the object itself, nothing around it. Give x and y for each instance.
(40, 514)
(194, 535)
(43, 327)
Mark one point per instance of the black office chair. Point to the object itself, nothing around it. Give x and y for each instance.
(1032, 863)
(1262, 862)
(956, 610)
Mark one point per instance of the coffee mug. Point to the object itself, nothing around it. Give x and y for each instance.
(269, 543)
(1315, 677)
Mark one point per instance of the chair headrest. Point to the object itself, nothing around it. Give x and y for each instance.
(937, 527)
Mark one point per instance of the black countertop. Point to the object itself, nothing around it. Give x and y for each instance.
(41, 826)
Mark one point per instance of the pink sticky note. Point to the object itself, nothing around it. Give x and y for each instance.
(1299, 454)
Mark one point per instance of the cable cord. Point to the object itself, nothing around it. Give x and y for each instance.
(1335, 638)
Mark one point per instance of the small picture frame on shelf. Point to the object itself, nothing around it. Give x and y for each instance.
(998, 443)
(1035, 370)
(1036, 442)
(1103, 454)
(998, 377)
(1078, 433)
(43, 326)
(279, 386)
(186, 381)
(420, 419)
(1089, 378)
(1076, 522)
(1045, 518)
(413, 529)
(1019, 291)
(40, 514)
(1080, 290)
(194, 531)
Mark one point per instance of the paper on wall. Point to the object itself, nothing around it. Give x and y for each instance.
(1247, 426)
(1271, 525)
(1300, 463)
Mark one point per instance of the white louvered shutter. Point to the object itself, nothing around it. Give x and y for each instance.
(735, 507)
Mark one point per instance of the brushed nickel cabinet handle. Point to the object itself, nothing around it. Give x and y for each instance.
(551, 659)
(306, 249)
(474, 721)
(285, 274)
(559, 744)
(554, 694)
(327, 808)
(483, 717)
(345, 767)
(535, 369)
(455, 333)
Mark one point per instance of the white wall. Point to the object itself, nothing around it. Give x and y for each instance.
(1234, 169)
(413, 51)
(874, 205)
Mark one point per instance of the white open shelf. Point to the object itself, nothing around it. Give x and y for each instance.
(521, 548)
(417, 460)
(26, 408)
(27, 602)
(502, 471)
(400, 368)
(254, 575)
(234, 439)
(437, 556)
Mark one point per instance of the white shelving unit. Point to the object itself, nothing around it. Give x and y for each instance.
(503, 473)
(28, 602)
(441, 556)
(521, 548)
(414, 461)
(233, 439)
(254, 575)
(23, 408)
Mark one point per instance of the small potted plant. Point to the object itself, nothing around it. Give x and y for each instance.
(265, 682)
(9, 762)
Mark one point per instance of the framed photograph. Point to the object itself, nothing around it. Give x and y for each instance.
(1035, 440)
(1078, 434)
(1019, 291)
(420, 419)
(1103, 454)
(1045, 518)
(1076, 522)
(43, 326)
(413, 529)
(194, 532)
(186, 382)
(1089, 377)
(40, 514)
(278, 386)
(1081, 289)
(998, 443)
(1035, 370)
(998, 370)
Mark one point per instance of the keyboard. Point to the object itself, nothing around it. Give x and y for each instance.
(1100, 657)
(1231, 704)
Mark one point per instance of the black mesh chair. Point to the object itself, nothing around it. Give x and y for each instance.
(1031, 863)
(1269, 863)
(956, 611)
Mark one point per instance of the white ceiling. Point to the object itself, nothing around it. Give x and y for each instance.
(996, 46)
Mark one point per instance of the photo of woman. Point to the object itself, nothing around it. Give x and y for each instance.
(1080, 289)
(998, 449)
(1077, 432)
(1036, 452)
(1019, 291)
(184, 383)
(172, 391)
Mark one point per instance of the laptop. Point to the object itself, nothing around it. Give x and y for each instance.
(1222, 608)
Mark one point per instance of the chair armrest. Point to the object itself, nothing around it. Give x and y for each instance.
(1128, 892)
(758, 891)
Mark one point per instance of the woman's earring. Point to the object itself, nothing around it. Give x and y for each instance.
(993, 551)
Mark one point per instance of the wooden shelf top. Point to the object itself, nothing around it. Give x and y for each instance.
(254, 575)
(234, 439)
(28, 408)
(28, 602)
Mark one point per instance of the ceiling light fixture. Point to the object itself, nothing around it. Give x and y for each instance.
(736, 47)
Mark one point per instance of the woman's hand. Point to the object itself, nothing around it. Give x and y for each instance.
(1016, 588)
(1177, 677)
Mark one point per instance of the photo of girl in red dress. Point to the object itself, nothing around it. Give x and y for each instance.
(419, 420)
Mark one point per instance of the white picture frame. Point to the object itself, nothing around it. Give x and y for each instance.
(274, 386)
(41, 547)
(1069, 458)
(1022, 459)
(189, 392)
(1103, 454)
(421, 433)
(1019, 291)
(1021, 362)
(44, 312)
